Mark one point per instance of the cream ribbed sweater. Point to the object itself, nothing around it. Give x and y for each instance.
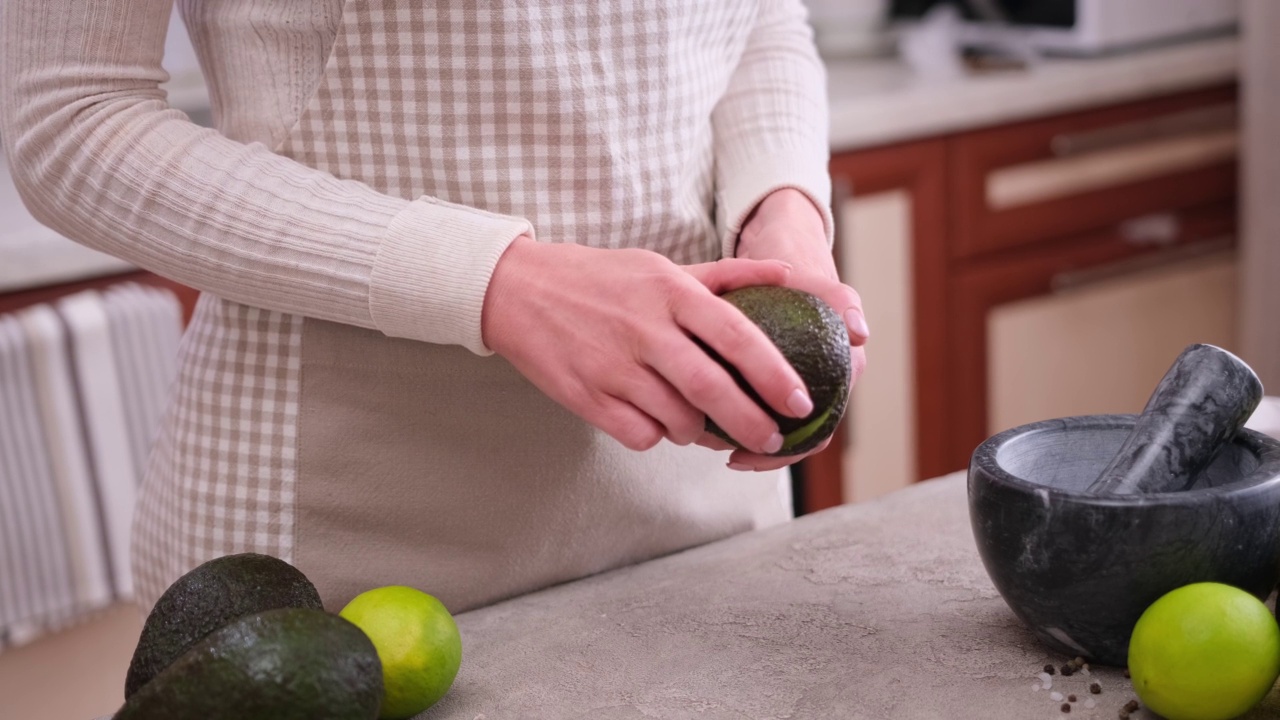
(372, 161)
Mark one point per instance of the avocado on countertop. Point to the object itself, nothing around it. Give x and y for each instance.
(285, 664)
(209, 597)
(813, 338)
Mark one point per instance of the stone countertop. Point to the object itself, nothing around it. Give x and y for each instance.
(877, 611)
(879, 102)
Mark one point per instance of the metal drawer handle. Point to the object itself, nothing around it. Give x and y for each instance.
(1057, 178)
(1076, 279)
(1214, 118)
(1156, 230)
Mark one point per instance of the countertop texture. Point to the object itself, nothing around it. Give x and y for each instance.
(878, 611)
(874, 611)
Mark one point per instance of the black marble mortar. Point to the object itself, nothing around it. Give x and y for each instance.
(1080, 569)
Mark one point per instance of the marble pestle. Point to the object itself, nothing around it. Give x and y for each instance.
(1204, 398)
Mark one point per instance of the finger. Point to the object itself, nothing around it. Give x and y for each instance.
(709, 387)
(842, 298)
(707, 440)
(732, 273)
(857, 363)
(626, 424)
(743, 345)
(745, 461)
(652, 395)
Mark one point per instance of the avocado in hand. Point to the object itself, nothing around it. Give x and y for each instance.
(209, 597)
(814, 340)
(284, 664)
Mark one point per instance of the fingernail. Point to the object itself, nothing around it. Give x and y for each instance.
(857, 323)
(799, 404)
(738, 466)
(773, 444)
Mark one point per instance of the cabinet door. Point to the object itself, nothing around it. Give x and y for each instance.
(977, 289)
(875, 241)
(1102, 347)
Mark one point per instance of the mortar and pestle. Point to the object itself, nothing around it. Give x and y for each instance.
(1083, 522)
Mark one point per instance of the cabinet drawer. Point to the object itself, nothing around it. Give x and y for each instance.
(1030, 182)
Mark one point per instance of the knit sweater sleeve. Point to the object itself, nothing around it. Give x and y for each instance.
(98, 155)
(771, 125)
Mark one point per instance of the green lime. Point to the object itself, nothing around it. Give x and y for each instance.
(417, 642)
(1204, 652)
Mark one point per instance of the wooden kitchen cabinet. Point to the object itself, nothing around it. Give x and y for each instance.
(1079, 350)
(891, 222)
(1020, 185)
(940, 235)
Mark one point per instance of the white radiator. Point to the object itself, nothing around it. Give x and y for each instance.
(82, 384)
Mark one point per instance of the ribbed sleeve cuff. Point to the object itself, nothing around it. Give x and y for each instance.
(432, 270)
(743, 186)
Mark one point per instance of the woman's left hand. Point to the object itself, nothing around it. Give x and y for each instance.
(787, 226)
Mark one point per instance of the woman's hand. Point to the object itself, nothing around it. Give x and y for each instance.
(787, 226)
(609, 335)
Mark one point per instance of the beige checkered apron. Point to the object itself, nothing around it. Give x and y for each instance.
(367, 460)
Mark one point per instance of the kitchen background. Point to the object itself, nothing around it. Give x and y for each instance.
(1036, 231)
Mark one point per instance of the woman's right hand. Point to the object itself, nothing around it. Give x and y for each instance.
(609, 334)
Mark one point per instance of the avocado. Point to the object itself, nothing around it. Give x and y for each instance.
(813, 338)
(285, 664)
(209, 597)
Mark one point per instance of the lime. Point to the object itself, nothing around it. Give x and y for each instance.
(1204, 652)
(417, 642)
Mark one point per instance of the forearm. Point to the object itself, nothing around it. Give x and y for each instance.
(97, 155)
(771, 124)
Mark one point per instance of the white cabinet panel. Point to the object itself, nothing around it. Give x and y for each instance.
(875, 244)
(1102, 348)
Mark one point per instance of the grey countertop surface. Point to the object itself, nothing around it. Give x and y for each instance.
(876, 611)
(879, 611)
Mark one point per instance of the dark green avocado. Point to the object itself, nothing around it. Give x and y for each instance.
(209, 597)
(285, 664)
(813, 338)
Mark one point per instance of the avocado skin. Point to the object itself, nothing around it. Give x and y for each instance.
(814, 340)
(284, 664)
(209, 597)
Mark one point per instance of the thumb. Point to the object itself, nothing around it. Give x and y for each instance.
(732, 273)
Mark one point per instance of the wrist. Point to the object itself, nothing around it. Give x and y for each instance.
(786, 221)
(502, 292)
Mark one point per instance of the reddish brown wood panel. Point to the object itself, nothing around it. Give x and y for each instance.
(977, 287)
(25, 298)
(974, 155)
